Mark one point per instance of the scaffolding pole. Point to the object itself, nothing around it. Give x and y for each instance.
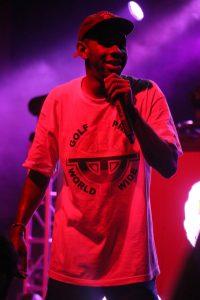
(38, 240)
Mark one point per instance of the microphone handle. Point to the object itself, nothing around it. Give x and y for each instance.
(125, 119)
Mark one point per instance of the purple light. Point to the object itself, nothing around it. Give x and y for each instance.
(135, 10)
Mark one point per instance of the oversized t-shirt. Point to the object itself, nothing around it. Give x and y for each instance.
(102, 232)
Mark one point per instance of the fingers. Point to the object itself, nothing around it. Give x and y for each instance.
(119, 93)
(21, 275)
(117, 87)
(20, 248)
(22, 265)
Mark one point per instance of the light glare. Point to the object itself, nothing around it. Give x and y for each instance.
(192, 214)
(135, 10)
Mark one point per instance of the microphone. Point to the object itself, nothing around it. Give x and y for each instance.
(123, 111)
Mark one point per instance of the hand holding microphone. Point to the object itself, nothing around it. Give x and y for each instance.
(119, 93)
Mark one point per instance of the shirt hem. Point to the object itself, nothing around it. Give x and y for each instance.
(102, 282)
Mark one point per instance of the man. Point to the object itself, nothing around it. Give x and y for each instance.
(107, 130)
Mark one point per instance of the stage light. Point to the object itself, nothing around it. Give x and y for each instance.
(192, 214)
(135, 10)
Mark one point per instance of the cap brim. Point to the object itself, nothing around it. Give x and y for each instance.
(117, 24)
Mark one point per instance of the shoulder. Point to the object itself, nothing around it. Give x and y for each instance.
(147, 96)
(66, 87)
(62, 92)
(140, 85)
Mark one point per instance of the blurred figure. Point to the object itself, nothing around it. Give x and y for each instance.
(189, 130)
(195, 100)
(35, 106)
(8, 265)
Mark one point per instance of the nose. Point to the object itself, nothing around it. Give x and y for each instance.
(117, 52)
(116, 49)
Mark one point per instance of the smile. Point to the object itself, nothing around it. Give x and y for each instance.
(114, 63)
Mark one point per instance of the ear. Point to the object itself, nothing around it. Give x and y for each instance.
(82, 49)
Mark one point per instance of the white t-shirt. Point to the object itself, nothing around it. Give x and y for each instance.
(103, 232)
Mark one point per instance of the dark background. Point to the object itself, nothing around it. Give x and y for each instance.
(37, 41)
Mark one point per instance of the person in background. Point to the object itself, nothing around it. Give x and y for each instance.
(8, 265)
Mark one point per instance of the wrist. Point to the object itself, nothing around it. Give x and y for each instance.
(18, 227)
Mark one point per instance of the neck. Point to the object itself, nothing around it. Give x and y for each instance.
(93, 87)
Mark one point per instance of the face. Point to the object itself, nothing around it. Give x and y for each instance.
(105, 53)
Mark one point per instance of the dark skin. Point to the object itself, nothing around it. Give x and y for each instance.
(32, 194)
(104, 62)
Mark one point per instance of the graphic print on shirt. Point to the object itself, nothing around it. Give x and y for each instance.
(92, 171)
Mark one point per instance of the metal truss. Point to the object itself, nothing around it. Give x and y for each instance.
(38, 239)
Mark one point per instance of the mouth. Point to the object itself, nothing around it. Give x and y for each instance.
(114, 65)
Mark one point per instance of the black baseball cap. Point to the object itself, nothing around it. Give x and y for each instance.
(104, 20)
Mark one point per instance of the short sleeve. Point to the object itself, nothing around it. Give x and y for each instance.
(160, 118)
(43, 154)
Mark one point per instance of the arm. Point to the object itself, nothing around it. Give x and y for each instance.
(32, 194)
(42, 156)
(159, 154)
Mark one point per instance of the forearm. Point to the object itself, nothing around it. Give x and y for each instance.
(32, 194)
(159, 154)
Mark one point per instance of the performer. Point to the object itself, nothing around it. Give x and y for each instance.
(107, 130)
